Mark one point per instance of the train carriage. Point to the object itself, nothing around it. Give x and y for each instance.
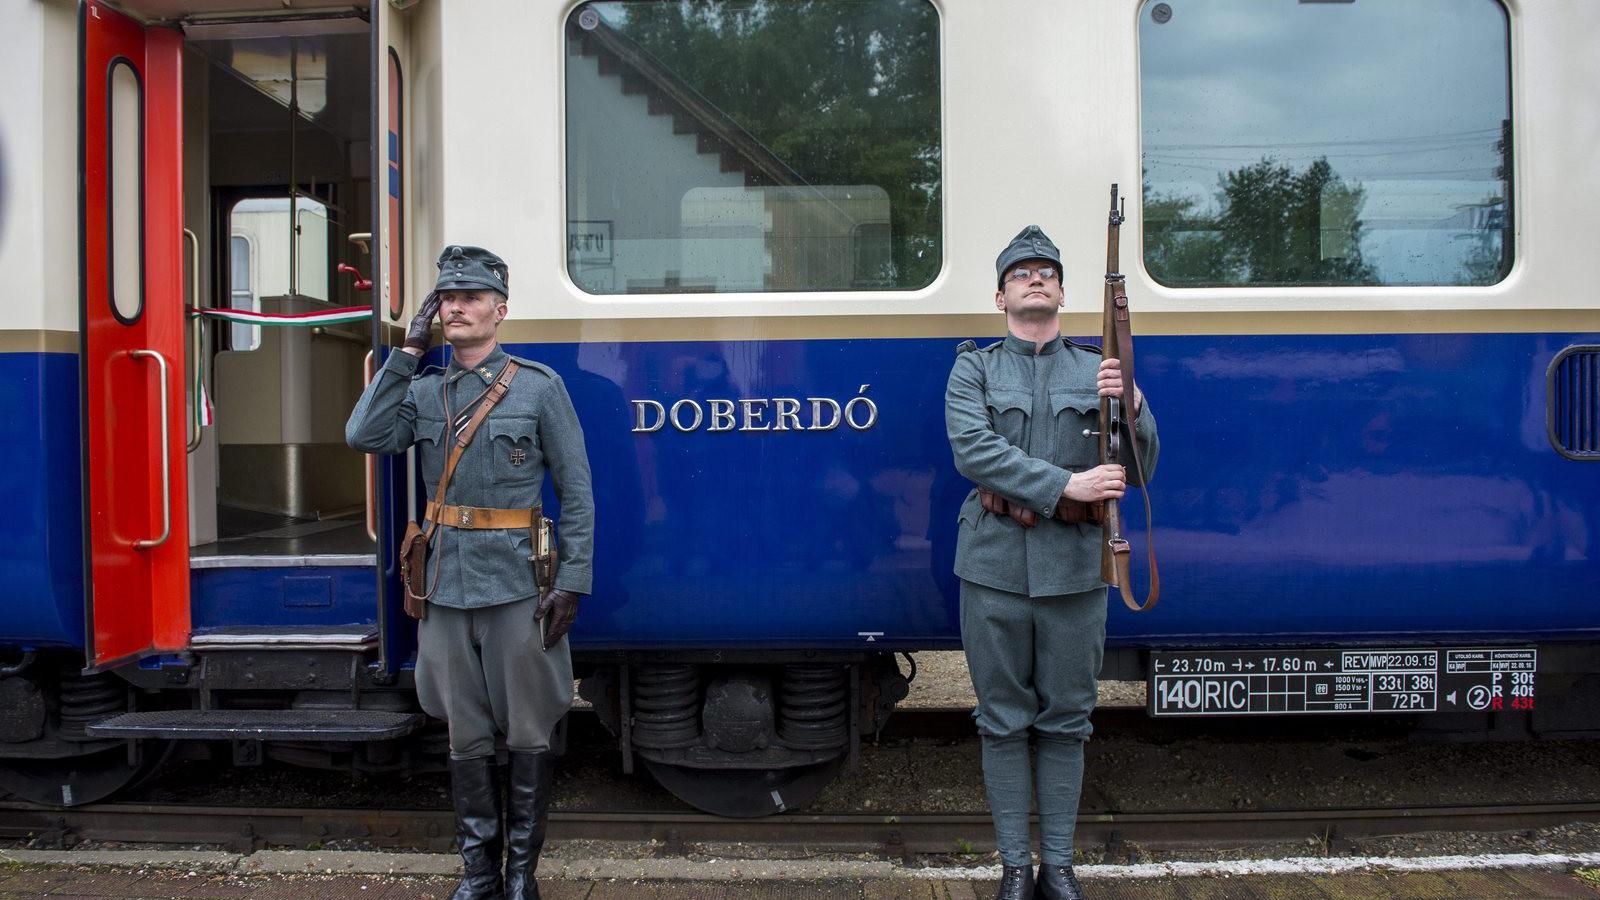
(749, 234)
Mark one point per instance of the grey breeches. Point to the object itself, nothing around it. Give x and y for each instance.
(484, 670)
(1034, 661)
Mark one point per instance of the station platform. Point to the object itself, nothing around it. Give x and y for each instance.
(21, 880)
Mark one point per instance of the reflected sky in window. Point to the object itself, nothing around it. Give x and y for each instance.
(1405, 101)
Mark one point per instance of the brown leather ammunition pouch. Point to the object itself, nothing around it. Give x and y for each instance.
(1072, 512)
(1076, 512)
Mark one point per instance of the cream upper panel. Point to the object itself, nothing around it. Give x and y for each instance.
(39, 167)
(501, 62)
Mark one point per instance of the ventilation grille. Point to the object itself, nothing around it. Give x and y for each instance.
(1573, 403)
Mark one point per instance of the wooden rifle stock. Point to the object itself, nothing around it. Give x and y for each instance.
(1117, 343)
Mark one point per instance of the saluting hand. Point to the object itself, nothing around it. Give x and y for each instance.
(420, 334)
(561, 607)
(1107, 482)
(1109, 383)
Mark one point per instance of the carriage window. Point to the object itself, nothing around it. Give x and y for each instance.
(1326, 143)
(743, 145)
(277, 264)
(125, 171)
(240, 335)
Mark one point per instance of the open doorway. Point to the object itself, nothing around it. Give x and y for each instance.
(287, 131)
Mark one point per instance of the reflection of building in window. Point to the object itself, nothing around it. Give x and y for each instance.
(680, 181)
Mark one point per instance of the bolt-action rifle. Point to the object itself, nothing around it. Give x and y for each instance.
(1117, 343)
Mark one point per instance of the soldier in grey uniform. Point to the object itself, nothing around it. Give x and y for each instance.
(1033, 607)
(482, 664)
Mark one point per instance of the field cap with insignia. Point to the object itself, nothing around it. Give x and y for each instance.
(463, 268)
(1030, 243)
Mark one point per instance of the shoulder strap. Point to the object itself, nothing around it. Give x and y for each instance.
(502, 383)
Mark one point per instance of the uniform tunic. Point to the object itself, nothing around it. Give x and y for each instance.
(532, 429)
(481, 665)
(1016, 420)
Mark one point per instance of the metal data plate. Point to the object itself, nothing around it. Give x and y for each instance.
(1377, 680)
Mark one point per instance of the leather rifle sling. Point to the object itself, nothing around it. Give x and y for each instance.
(1119, 547)
(502, 383)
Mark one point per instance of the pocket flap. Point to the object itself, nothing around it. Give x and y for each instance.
(517, 428)
(1080, 400)
(426, 429)
(1002, 400)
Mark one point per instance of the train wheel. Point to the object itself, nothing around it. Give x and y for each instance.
(76, 780)
(745, 793)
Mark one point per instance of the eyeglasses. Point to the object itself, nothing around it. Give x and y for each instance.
(1025, 273)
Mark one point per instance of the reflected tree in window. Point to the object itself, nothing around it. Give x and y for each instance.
(1275, 226)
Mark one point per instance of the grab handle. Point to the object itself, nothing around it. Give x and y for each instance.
(371, 464)
(166, 455)
(197, 344)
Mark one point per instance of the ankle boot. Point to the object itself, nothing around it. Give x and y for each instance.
(475, 788)
(527, 811)
(1016, 883)
(1058, 883)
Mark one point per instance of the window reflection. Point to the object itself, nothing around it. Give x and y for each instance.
(746, 145)
(1292, 143)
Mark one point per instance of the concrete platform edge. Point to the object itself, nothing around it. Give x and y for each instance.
(281, 862)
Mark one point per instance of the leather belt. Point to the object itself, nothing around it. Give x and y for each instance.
(479, 517)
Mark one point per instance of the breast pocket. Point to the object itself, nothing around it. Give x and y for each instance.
(1009, 411)
(515, 445)
(1075, 412)
(430, 447)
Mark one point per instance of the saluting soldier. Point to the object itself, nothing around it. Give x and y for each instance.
(482, 664)
(1033, 607)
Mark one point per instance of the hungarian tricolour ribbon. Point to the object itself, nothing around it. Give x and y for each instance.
(323, 317)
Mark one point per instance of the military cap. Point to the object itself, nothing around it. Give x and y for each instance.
(463, 268)
(1030, 243)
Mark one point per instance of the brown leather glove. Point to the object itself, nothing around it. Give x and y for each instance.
(997, 504)
(420, 334)
(558, 608)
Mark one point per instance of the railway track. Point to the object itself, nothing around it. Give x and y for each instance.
(250, 829)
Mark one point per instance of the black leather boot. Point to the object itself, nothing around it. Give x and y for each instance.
(527, 811)
(1016, 883)
(475, 788)
(1058, 883)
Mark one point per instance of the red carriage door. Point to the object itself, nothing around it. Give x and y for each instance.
(131, 272)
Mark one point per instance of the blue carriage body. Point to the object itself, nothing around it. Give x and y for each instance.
(1311, 488)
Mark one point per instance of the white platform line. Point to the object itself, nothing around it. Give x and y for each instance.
(1303, 865)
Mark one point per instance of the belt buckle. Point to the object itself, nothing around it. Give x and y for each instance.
(464, 517)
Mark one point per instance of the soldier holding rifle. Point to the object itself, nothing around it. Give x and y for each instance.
(1023, 417)
(492, 651)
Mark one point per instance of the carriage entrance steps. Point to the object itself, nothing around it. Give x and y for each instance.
(322, 725)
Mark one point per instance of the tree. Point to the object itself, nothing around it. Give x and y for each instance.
(1273, 226)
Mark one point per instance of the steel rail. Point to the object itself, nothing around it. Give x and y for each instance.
(249, 829)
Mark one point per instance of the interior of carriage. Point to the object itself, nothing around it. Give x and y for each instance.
(277, 191)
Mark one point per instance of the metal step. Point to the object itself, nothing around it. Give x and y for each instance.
(310, 637)
(333, 725)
